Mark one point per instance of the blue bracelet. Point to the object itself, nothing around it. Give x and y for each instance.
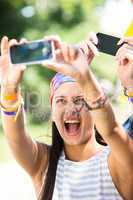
(9, 113)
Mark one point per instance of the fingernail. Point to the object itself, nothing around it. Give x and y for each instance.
(5, 37)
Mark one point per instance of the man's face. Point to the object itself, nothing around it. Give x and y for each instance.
(71, 115)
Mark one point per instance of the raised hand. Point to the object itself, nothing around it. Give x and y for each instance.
(10, 75)
(69, 60)
(124, 58)
(89, 46)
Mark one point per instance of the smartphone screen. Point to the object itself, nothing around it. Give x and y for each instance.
(108, 44)
(31, 53)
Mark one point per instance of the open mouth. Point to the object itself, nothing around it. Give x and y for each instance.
(72, 127)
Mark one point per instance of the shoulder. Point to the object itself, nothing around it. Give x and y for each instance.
(43, 154)
(42, 158)
(128, 126)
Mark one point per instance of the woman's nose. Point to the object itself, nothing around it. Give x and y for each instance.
(71, 110)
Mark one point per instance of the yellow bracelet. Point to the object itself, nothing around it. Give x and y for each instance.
(14, 107)
(10, 97)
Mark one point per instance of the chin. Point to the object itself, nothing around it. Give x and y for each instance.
(76, 142)
(72, 143)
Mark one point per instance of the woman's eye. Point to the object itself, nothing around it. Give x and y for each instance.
(78, 101)
(60, 101)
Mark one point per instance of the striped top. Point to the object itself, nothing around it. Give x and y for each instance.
(86, 180)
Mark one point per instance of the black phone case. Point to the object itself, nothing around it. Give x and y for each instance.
(108, 44)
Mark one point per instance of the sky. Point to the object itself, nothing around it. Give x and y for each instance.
(116, 16)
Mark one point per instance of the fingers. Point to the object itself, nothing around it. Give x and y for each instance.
(89, 45)
(4, 46)
(63, 68)
(124, 49)
(55, 66)
(91, 42)
(120, 54)
(66, 53)
(55, 39)
(92, 47)
(93, 38)
(72, 52)
(12, 42)
(23, 40)
(84, 47)
(128, 40)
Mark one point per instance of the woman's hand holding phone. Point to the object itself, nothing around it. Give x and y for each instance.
(10, 75)
(31, 52)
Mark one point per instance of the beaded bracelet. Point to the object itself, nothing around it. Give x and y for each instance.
(98, 103)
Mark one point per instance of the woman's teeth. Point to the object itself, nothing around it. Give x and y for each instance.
(72, 121)
(72, 126)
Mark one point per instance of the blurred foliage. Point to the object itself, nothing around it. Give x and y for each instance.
(70, 19)
(12, 23)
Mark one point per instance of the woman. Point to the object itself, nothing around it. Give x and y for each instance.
(76, 167)
(124, 58)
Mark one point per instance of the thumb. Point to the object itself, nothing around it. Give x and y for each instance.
(4, 46)
(19, 72)
(53, 65)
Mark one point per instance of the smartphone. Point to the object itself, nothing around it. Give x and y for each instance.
(108, 44)
(31, 52)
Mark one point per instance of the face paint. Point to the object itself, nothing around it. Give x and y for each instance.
(71, 114)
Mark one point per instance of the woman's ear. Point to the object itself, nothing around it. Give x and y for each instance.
(52, 117)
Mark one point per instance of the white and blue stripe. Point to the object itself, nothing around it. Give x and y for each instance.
(86, 180)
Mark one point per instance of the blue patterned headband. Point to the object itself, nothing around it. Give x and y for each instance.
(58, 80)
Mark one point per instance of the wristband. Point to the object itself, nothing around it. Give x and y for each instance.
(130, 99)
(9, 113)
(10, 97)
(14, 107)
(98, 103)
(14, 110)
